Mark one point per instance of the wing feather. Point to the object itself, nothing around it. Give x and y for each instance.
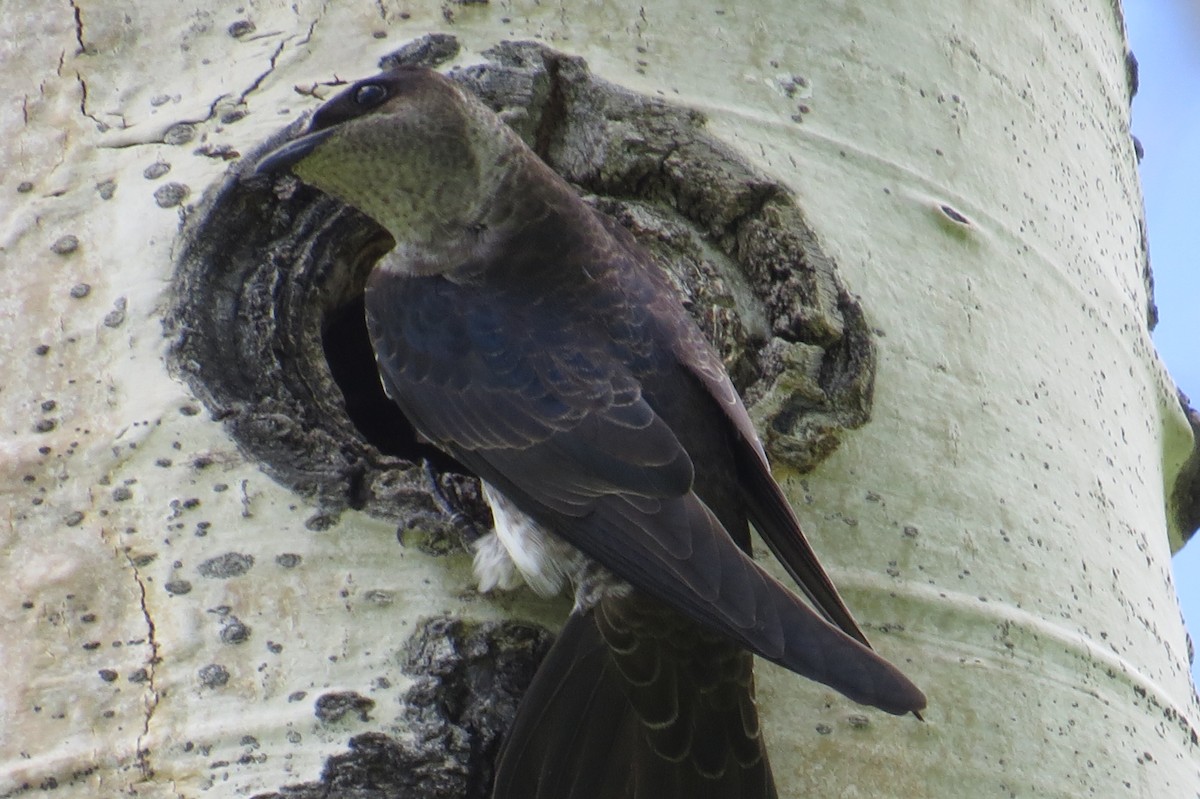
(550, 408)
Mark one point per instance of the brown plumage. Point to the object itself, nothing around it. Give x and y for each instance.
(532, 339)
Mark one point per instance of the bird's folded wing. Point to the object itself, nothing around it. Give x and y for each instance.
(558, 424)
(765, 503)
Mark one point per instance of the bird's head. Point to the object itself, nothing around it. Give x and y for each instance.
(409, 148)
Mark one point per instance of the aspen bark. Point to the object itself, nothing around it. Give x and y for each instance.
(171, 614)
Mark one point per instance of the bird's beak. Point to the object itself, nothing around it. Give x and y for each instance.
(292, 152)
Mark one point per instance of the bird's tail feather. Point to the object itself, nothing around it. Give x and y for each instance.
(637, 702)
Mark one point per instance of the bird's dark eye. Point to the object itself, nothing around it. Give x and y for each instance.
(370, 95)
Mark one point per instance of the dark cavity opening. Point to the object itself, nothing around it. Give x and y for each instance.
(351, 361)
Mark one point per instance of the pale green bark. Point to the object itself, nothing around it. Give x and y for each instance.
(1000, 517)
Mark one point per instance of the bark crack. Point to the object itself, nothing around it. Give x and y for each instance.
(274, 61)
(258, 81)
(214, 108)
(78, 13)
(83, 102)
(143, 754)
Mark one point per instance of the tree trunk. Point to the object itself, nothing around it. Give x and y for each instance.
(179, 623)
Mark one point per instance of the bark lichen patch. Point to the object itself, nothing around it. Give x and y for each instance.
(268, 321)
(65, 245)
(170, 195)
(231, 564)
(213, 675)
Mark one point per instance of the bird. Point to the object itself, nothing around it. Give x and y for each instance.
(530, 337)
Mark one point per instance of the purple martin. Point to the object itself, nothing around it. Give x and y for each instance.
(531, 338)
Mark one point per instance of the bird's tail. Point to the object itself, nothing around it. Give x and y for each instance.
(635, 701)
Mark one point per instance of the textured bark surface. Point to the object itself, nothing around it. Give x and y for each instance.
(187, 615)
